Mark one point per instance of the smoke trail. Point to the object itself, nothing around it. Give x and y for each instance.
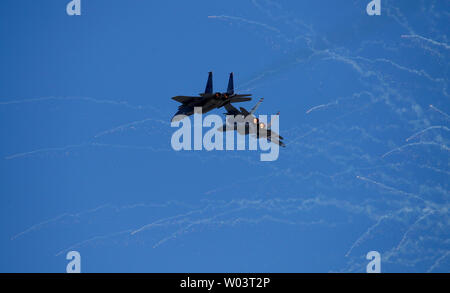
(43, 150)
(145, 227)
(440, 111)
(321, 106)
(130, 124)
(444, 147)
(411, 228)
(392, 189)
(92, 239)
(438, 261)
(87, 144)
(86, 99)
(440, 44)
(266, 26)
(425, 130)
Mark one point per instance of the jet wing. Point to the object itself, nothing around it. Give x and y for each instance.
(274, 134)
(186, 99)
(244, 112)
(224, 128)
(270, 133)
(277, 141)
(231, 110)
(240, 98)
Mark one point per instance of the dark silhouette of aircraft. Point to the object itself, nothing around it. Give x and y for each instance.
(208, 100)
(252, 124)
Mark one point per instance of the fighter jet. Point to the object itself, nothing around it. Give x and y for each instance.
(255, 128)
(208, 100)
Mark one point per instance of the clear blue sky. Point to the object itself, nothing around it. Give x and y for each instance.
(86, 162)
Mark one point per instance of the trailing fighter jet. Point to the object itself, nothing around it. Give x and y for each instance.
(208, 100)
(252, 124)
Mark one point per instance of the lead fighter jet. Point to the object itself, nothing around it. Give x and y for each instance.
(208, 100)
(255, 127)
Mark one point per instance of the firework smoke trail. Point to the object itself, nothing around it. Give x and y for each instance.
(440, 44)
(426, 129)
(440, 112)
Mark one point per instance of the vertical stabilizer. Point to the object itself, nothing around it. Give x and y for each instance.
(230, 89)
(209, 84)
(253, 110)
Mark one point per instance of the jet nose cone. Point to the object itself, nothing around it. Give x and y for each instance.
(178, 117)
